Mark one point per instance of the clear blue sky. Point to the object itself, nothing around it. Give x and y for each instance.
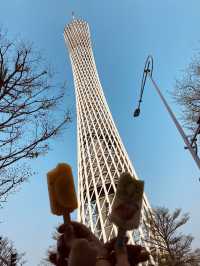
(123, 34)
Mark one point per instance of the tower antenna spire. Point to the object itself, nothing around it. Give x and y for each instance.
(73, 15)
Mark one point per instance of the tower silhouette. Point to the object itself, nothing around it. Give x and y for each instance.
(101, 154)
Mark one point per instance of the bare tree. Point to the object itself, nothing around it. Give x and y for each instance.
(29, 111)
(173, 246)
(9, 256)
(187, 94)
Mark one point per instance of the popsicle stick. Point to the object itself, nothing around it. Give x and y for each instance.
(66, 218)
(120, 238)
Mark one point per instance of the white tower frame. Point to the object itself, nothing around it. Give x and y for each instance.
(101, 154)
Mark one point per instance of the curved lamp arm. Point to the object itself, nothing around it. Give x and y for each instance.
(148, 70)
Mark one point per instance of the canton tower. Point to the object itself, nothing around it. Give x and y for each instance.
(101, 154)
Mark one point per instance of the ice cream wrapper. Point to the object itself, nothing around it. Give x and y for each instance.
(126, 209)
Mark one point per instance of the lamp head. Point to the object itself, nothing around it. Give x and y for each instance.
(136, 112)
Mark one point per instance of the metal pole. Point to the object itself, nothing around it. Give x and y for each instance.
(178, 126)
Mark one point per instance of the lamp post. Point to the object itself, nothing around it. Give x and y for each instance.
(148, 71)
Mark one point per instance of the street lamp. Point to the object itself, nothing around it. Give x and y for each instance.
(148, 71)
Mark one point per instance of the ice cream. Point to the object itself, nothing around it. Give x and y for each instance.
(127, 204)
(62, 194)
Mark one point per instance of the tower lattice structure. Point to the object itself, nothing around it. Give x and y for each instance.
(101, 154)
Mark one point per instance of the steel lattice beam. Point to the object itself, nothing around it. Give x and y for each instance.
(101, 154)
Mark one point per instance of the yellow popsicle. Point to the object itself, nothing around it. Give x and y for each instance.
(61, 188)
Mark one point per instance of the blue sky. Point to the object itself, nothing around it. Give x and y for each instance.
(123, 34)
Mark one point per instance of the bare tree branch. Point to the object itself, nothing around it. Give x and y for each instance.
(174, 248)
(9, 254)
(29, 109)
(187, 94)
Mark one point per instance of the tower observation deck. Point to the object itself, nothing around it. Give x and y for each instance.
(101, 154)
